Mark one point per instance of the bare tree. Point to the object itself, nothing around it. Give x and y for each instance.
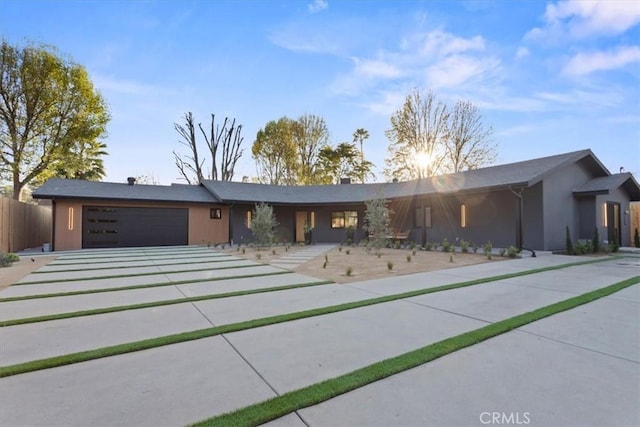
(469, 143)
(226, 139)
(418, 135)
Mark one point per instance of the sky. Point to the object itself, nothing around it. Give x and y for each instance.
(548, 77)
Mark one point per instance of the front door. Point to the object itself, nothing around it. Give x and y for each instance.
(301, 220)
(613, 222)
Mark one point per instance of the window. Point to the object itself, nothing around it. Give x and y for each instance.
(463, 216)
(344, 219)
(248, 221)
(312, 219)
(215, 213)
(604, 215)
(423, 218)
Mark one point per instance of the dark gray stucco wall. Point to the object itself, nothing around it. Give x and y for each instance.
(533, 217)
(620, 196)
(586, 218)
(559, 204)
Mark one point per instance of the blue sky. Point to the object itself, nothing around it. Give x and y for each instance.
(548, 77)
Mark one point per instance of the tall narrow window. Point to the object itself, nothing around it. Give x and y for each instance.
(463, 216)
(312, 219)
(248, 221)
(604, 215)
(70, 224)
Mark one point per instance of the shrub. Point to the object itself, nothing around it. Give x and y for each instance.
(348, 252)
(7, 260)
(379, 254)
(596, 240)
(428, 246)
(614, 245)
(258, 256)
(451, 258)
(273, 251)
(263, 223)
(474, 247)
(636, 239)
(326, 258)
(324, 265)
(243, 251)
(348, 271)
(446, 246)
(568, 242)
(408, 258)
(340, 249)
(389, 265)
(512, 251)
(502, 252)
(464, 246)
(488, 248)
(413, 252)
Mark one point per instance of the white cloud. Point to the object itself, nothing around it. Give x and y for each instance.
(376, 68)
(522, 52)
(441, 43)
(456, 70)
(587, 63)
(581, 19)
(318, 5)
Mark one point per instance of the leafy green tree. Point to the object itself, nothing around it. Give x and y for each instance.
(359, 136)
(418, 133)
(468, 142)
(50, 113)
(275, 153)
(342, 162)
(263, 224)
(310, 136)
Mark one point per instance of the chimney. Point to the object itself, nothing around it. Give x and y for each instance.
(131, 180)
(345, 180)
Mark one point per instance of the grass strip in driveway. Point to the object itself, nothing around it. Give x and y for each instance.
(135, 266)
(114, 309)
(119, 276)
(61, 261)
(146, 344)
(314, 394)
(148, 285)
(130, 254)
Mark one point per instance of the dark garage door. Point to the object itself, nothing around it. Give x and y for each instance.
(107, 227)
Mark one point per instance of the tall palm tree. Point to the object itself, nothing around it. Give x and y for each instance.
(359, 136)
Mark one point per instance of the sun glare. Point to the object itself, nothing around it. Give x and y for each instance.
(423, 162)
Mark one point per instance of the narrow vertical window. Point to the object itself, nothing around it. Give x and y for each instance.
(248, 222)
(70, 224)
(604, 215)
(463, 216)
(313, 219)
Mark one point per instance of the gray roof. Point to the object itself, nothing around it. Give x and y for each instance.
(57, 188)
(520, 174)
(604, 184)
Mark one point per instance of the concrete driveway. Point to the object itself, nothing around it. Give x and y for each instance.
(580, 367)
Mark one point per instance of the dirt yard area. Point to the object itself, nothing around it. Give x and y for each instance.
(22, 268)
(365, 265)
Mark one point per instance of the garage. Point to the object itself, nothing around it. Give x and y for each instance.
(111, 226)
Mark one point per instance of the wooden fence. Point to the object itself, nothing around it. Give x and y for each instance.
(23, 225)
(635, 218)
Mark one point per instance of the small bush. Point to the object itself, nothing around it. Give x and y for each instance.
(446, 246)
(428, 246)
(258, 256)
(452, 249)
(7, 260)
(379, 254)
(512, 251)
(243, 251)
(238, 249)
(326, 258)
(348, 271)
(474, 247)
(596, 240)
(340, 249)
(408, 258)
(450, 257)
(389, 265)
(324, 265)
(636, 239)
(488, 248)
(348, 252)
(273, 251)
(414, 252)
(464, 246)
(614, 245)
(502, 252)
